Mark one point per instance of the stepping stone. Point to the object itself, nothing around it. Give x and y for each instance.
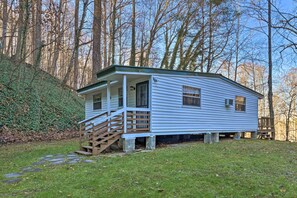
(56, 159)
(32, 170)
(88, 161)
(74, 159)
(72, 155)
(12, 181)
(12, 175)
(57, 162)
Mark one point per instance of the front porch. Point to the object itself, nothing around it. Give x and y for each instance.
(125, 108)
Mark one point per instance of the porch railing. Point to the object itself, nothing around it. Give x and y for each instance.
(138, 120)
(264, 123)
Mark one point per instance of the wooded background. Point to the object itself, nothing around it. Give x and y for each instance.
(251, 42)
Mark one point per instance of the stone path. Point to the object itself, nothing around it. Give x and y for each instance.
(53, 160)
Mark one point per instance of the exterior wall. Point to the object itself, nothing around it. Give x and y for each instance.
(169, 115)
(132, 93)
(89, 112)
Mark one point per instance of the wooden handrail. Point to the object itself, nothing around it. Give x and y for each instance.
(94, 117)
(138, 120)
(138, 109)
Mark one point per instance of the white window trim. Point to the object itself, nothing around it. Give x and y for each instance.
(244, 104)
(191, 106)
(97, 102)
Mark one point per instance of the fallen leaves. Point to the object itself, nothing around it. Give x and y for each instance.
(11, 137)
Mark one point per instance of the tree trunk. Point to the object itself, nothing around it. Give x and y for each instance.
(120, 33)
(58, 39)
(97, 61)
(104, 34)
(203, 36)
(20, 28)
(37, 33)
(209, 57)
(75, 59)
(113, 31)
(4, 26)
(133, 42)
(287, 126)
(237, 48)
(141, 59)
(270, 92)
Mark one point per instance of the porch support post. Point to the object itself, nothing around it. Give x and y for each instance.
(207, 138)
(254, 135)
(129, 145)
(215, 137)
(151, 142)
(237, 136)
(108, 97)
(125, 102)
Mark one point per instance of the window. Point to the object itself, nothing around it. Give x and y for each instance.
(240, 103)
(97, 103)
(120, 94)
(191, 96)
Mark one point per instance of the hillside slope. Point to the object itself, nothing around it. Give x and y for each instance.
(32, 100)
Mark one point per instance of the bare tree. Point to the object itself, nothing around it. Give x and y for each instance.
(270, 91)
(4, 26)
(76, 44)
(287, 94)
(37, 33)
(133, 39)
(76, 31)
(97, 31)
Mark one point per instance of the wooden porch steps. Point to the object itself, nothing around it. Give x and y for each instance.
(264, 135)
(94, 139)
(100, 145)
(101, 136)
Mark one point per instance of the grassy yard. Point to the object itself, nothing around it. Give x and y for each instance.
(243, 168)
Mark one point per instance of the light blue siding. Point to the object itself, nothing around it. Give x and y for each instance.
(169, 115)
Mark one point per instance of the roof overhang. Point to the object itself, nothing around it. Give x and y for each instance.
(94, 87)
(108, 72)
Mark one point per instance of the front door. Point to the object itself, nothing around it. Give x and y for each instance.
(142, 101)
(142, 95)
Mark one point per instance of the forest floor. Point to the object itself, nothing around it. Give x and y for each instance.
(245, 168)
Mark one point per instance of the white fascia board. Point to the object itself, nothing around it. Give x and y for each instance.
(96, 88)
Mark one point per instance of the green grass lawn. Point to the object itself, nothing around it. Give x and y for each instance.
(243, 168)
